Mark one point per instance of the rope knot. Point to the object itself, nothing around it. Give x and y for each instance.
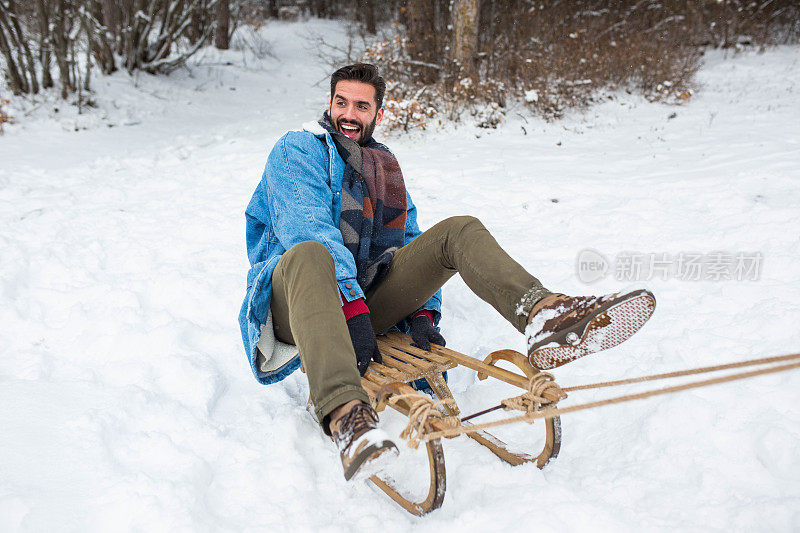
(542, 391)
(421, 409)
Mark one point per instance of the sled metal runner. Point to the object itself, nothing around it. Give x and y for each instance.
(404, 363)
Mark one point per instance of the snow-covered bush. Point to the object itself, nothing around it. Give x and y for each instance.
(406, 113)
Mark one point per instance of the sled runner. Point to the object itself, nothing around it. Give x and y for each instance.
(387, 383)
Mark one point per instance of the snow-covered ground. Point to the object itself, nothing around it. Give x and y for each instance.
(126, 402)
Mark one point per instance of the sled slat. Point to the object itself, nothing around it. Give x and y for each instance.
(388, 371)
(395, 342)
(420, 363)
(470, 362)
(376, 378)
(404, 367)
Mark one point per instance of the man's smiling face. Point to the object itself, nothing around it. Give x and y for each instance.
(353, 110)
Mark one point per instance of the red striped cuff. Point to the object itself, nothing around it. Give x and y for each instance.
(424, 312)
(356, 307)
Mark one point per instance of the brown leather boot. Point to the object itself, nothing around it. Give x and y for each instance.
(568, 327)
(363, 447)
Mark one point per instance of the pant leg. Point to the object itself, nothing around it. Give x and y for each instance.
(307, 312)
(455, 245)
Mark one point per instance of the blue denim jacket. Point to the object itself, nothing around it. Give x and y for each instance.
(297, 200)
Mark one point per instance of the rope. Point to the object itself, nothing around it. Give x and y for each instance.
(533, 400)
(421, 408)
(535, 409)
(690, 372)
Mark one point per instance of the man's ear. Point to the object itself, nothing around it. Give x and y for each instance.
(379, 116)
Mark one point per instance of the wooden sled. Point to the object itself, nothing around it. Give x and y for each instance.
(403, 364)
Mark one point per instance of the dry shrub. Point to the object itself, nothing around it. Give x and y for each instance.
(4, 117)
(407, 105)
(583, 50)
(558, 55)
(248, 38)
(411, 104)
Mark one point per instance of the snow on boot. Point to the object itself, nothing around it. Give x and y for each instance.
(363, 447)
(573, 326)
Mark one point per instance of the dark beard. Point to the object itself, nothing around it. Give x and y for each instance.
(366, 131)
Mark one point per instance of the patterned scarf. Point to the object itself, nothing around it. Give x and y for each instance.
(373, 205)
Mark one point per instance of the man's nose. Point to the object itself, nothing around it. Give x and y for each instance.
(350, 113)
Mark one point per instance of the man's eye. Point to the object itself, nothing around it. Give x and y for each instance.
(362, 107)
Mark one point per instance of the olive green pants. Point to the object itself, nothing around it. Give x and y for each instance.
(307, 312)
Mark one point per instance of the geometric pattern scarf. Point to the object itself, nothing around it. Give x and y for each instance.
(374, 207)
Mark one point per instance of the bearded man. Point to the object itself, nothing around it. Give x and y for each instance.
(337, 257)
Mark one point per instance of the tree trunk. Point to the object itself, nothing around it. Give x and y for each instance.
(272, 9)
(367, 8)
(89, 28)
(14, 39)
(465, 35)
(44, 43)
(421, 30)
(102, 49)
(14, 78)
(25, 57)
(111, 17)
(322, 9)
(61, 47)
(221, 37)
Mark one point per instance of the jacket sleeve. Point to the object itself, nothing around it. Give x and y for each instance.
(301, 201)
(411, 233)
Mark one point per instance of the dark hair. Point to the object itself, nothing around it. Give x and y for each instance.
(363, 72)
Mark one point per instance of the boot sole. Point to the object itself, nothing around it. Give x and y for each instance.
(612, 323)
(371, 460)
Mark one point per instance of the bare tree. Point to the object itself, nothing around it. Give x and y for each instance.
(367, 14)
(422, 35)
(465, 35)
(13, 42)
(148, 37)
(63, 38)
(221, 35)
(272, 8)
(110, 18)
(321, 8)
(16, 80)
(45, 47)
(78, 35)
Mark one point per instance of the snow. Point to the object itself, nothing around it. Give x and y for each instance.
(127, 403)
(531, 96)
(534, 330)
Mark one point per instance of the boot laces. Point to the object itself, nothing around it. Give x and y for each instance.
(359, 419)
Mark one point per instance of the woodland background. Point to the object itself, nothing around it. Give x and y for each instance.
(442, 58)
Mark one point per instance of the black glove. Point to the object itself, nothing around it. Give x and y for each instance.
(364, 342)
(424, 333)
